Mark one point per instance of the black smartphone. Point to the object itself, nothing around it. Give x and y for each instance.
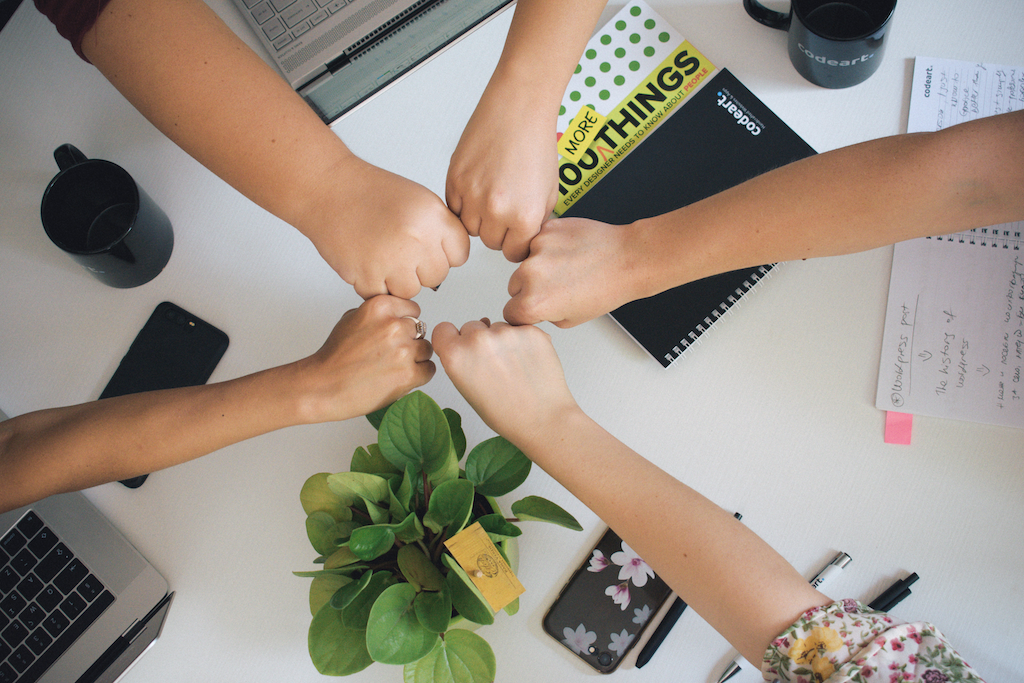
(174, 349)
(604, 608)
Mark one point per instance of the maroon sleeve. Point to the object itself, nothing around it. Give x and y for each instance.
(73, 18)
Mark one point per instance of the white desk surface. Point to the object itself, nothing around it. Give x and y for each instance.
(772, 415)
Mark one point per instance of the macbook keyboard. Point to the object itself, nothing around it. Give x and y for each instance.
(282, 21)
(48, 598)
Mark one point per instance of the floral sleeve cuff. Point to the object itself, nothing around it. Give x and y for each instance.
(846, 641)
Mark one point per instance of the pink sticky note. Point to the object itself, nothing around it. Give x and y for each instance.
(898, 427)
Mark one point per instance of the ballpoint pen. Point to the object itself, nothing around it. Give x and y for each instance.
(819, 581)
(667, 622)
(892, 595)
(656, 639)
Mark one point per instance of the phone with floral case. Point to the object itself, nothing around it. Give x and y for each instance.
(603, 609)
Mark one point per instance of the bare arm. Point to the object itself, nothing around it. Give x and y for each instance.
(369, 360)
(512, 378)
(848, 200)
(503, 180)
(186, 72)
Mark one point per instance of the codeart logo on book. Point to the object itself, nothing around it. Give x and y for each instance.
(742, 115)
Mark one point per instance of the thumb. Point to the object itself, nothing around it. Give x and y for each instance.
(444, 335)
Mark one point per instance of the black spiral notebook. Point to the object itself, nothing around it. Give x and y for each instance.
(719, 137)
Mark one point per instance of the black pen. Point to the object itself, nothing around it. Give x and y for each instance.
(892, 595)
(667, 622)
(658, 637)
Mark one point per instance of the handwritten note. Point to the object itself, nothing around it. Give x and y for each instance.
(946, 92)
(954, 331)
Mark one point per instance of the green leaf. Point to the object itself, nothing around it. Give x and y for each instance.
(378, 514)
(370, 542)
(458, 436)
(325, 534)
(414, 434)
(344, 595)
(370, 461)
(322, 589)
(418, 569)
(511, 608)
(342, 557)
(322, 572)
(466, 597)
(320, 530)
(451, 503)
(357, 611)
(498, 528)
(409, 530)
(343, 530)
(497, 467)
(538, 509)
(461, 657)
(376, 416)
(449, 471)
(334, 649)
(393, 633)
(401, 496)
(316, 496)
(434, 610)
(351, 486)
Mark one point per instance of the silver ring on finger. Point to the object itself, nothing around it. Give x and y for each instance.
(421, 329)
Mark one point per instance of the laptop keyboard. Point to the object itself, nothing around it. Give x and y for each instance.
(48, 598)
(282, 21)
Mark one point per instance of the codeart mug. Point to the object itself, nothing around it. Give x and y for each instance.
(101, 218)
(834, 44)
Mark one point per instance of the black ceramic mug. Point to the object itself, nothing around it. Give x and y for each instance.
(831, 44)
(100, 217)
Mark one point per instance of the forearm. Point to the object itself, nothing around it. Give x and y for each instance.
(199, 84)
(725, 572)
(371, 358)
(71, 448)
(844, 201)
(544, 44)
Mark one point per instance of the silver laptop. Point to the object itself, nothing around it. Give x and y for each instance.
(77, 601)
(338, 54)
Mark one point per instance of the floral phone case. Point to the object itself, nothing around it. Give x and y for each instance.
(605, 606)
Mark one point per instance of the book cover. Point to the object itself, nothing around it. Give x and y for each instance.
(636, 66)
(721, 136)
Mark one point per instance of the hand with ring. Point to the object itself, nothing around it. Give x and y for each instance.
(421, 329)
(371, 359)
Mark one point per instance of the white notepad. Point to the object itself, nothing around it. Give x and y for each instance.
(954, 329)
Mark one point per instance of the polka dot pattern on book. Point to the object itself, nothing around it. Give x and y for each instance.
(614, 60)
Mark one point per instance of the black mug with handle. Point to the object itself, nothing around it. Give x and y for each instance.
(832, 43)
(101, 218)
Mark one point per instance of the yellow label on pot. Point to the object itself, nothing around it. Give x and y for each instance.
(473, 549)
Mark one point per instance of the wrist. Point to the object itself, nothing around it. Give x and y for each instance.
(673, 249)
(651, 260)
(287, 395)
(322, 206)
(526, 88)
(312, 394)
(550, 433)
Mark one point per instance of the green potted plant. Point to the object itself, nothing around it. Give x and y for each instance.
(388, 590)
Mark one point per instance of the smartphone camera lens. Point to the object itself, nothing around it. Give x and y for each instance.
(604, 658)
